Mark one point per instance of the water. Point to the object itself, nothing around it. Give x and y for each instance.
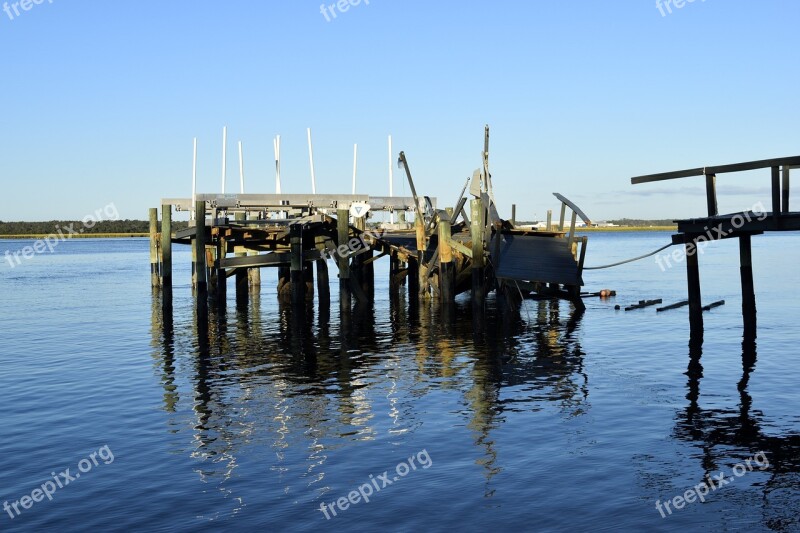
(545, 421)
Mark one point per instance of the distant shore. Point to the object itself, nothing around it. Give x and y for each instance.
(138, 235)
(81, 236)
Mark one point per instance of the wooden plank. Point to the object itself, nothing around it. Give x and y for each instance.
(575, 209)
(719, 169)
(533, 258)
(672, 306)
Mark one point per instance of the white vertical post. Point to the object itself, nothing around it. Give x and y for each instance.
(391, 178)
(194, 178)
(241, 169)
(224, 155)
(311, 163)
(355, 165)
(276, 145)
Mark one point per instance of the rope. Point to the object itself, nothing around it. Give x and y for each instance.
(629, 260)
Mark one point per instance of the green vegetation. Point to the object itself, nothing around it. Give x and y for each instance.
(637, 223)
(114, 227)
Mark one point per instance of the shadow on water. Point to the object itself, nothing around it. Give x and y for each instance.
(295, 381)
(728, 436)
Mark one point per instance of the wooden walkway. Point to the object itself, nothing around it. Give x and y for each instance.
(742, 225)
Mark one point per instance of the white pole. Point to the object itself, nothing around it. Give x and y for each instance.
(194, 178)
(224, 155)
(276, 145)
(241, 169)
(311, 162)
(355, 165)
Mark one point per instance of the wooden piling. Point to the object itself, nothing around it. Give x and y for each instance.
(366, 269)
(343, 234)
(513, 214)
(422, 273)
(693, 283)
(242, 283)
(323, 279)
(785, 189)
(477, 223)
(166, 246)
(284, 282)
(200, 249)
(447, 271)
(254, 274)
(748, 288)
(221, 275)
(296, 268)
(394, 270)
(154, 270)
(549, 220)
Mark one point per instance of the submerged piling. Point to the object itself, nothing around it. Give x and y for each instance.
(154, 270)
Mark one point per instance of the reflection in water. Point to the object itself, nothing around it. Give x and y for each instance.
(729, 436)
(285, 390)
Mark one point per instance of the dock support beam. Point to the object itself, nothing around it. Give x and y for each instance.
(447, 271)
(748, 289)
(154, 270)
(241, 273)
(166, 247)
(254, 274)
(476, 230)
(323, 280)
(343, 229)
(693, 279)
(200, 249)
(422, 271)
(296, 269)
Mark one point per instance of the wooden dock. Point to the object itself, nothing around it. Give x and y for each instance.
(743, 225)
(460, 249)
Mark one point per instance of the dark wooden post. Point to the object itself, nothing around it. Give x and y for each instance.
(166, 246)
(711, 195)
(693, 282)
(419, 225)
(785, 190)
(200, 249)
(296, 269)
(254, 274)
(776, 192)
(477, 213)
(154, 270)
(366, 269)
(242, 285)
(447, 282)
(221, 276)
(513, 214)
(323, 281)
(394, 274)
(343, 235)
(748, 289)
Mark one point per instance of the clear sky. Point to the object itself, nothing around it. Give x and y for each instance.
(101, 100)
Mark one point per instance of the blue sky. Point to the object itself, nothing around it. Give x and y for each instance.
(101, 100)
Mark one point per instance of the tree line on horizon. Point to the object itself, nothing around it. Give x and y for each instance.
(104, 226)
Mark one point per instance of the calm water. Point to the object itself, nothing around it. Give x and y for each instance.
(544, 421)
